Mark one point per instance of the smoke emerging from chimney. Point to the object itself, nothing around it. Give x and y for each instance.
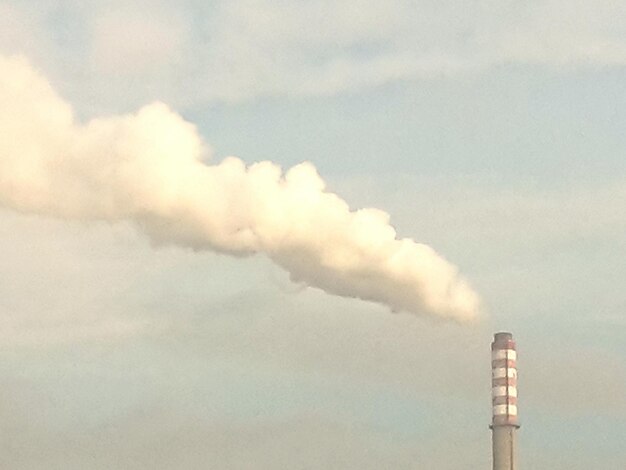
(149, 168)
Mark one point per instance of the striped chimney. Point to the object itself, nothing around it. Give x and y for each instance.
(504, 421)
(504, 380)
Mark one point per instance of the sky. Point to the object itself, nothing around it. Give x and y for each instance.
(490, 131)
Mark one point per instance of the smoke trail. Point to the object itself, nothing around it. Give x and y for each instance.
(148, 168)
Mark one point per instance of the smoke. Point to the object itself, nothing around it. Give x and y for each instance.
(149, 168)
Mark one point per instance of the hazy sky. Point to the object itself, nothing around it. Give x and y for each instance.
(492, 131)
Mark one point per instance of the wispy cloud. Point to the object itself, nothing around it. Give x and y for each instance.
(239, 50)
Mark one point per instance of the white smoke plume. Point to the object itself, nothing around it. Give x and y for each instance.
(149, 168)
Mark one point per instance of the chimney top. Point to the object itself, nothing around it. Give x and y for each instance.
(502, 336)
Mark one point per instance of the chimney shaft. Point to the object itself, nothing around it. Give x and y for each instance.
(504, 423)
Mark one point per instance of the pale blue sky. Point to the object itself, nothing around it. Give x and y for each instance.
(494, 134)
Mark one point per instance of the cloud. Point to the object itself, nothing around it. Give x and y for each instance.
(126, 40)
(270, 48)
(237, 50)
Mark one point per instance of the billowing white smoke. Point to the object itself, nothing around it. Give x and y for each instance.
(148, 168)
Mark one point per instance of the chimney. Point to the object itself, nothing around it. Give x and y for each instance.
(504, 423)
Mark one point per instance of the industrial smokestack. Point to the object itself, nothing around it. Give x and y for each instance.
(504, 423)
